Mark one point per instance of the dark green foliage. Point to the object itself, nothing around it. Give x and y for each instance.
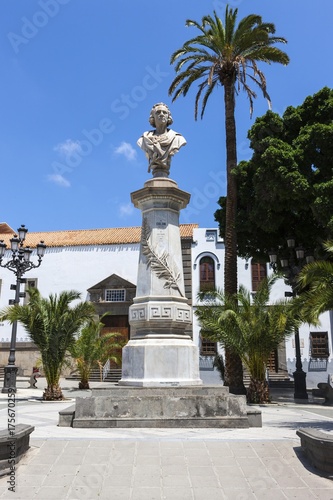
(287, 186)
(218, 363)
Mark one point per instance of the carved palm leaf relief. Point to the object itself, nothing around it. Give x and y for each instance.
(162, 264)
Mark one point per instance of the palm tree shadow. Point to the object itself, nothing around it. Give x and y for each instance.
(320, 425)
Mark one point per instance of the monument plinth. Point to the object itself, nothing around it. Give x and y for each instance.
(160, 352)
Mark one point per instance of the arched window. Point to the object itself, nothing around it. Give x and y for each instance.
(258, 273)
(207, 274)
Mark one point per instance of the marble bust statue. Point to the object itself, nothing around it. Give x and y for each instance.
(162, 143)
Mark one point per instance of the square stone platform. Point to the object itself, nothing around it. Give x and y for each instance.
(157, 407)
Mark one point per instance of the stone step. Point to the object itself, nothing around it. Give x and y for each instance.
(278, 379)
(113, 375)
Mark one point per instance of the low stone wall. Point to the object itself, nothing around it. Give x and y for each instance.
(13, 447)
(318, 448)
(26, 357)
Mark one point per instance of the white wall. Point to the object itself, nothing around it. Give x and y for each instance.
(71, 268)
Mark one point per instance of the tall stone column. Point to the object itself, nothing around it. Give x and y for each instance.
(159, 352)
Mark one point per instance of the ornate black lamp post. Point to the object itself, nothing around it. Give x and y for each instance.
(19, 263)
(291, 268)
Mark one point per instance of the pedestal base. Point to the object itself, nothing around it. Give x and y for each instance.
(158, 362)
(300, 385)
(206, 406)
(9, 379)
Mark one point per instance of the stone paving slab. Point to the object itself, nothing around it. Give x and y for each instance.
(118, 469)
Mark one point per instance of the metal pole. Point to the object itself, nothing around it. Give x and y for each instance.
(299, 375)
(9, 382)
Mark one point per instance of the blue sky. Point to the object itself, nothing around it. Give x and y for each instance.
(79, 78)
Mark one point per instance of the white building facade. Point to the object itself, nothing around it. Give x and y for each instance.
(102, 265)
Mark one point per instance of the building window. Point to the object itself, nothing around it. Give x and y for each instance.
(115, 295)
(207, 274)
(207, 347)
(258, 273)
(211, 235)
(319, 345)
(30, 283)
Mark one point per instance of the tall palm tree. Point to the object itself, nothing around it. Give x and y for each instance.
(251, 328)
(316, 279)
(226, 54)
(52, 324)
(91, 349)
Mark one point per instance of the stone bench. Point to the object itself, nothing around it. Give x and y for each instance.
(9, 452)
(317, 446)
(325, 390)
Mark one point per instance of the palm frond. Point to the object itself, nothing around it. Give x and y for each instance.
(51, 324)
(225, 50)
(251, 328)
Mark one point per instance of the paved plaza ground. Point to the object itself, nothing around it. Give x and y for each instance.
(166, 464)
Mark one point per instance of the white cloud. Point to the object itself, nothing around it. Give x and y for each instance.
(59, 179)
(68, 147)
(125, 210)
(127, 150)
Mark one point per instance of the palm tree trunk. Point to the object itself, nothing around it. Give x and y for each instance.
(258, 391)
(84, 384)
(230, 268)
(53, 392)
(233, 364)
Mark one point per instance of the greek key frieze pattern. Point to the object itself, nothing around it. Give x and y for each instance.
(138, 314)
(160, 312)
(183, 315)
(156, 312)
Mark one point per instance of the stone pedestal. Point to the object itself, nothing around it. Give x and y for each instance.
(160, 362)
(204, 406)
(160, 352)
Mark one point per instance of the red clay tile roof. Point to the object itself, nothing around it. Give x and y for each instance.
(108, 236)
(5, 229)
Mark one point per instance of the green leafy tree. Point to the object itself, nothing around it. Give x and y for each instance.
(91, 349)
(286, 187)
(226, 54)
(51, 324)
(316, 279)
(252, 328)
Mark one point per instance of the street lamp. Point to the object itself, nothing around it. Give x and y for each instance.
(19, 263)
(291, 268)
